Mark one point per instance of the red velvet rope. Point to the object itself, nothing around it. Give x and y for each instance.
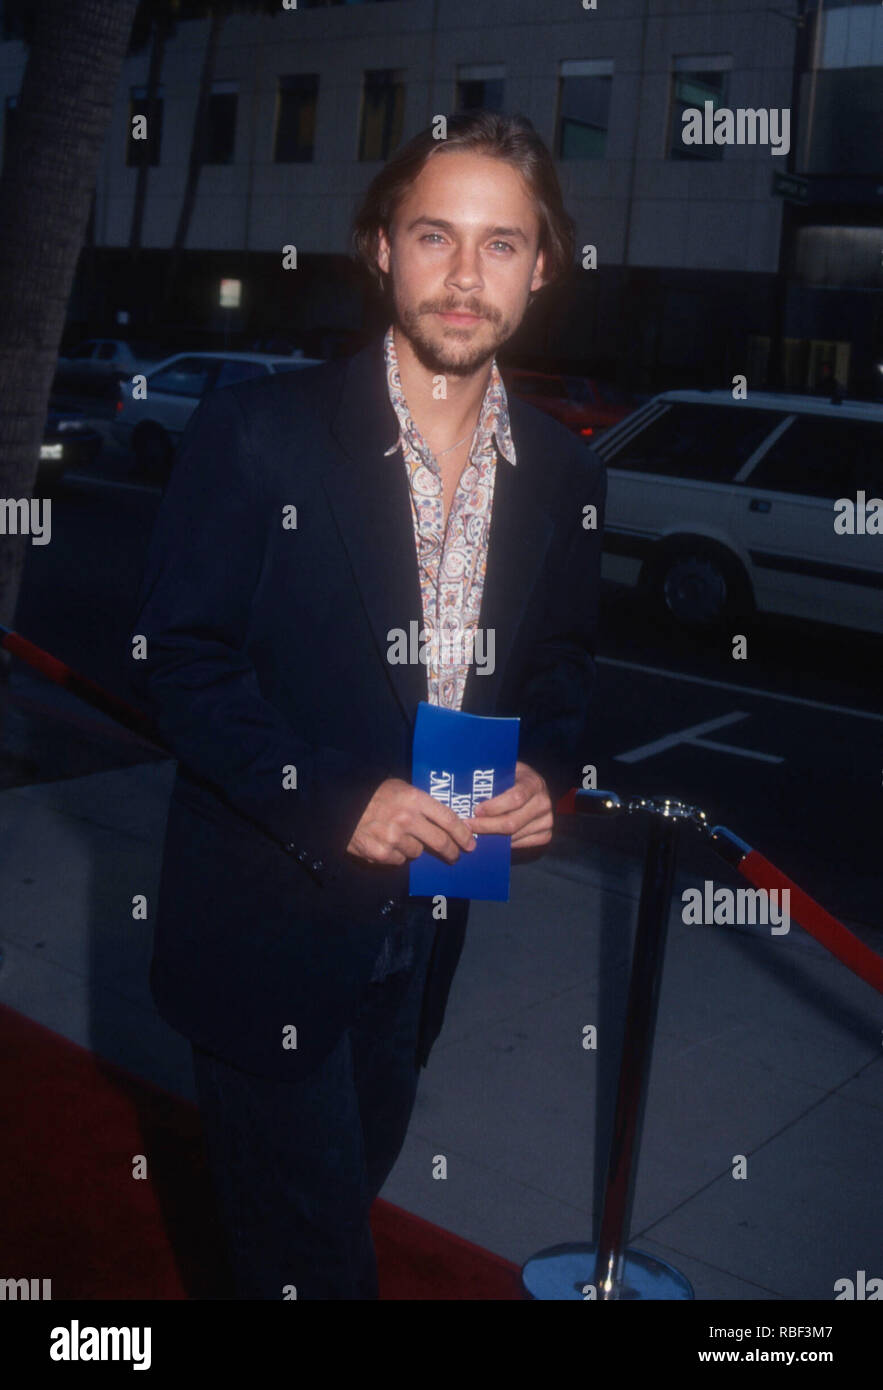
(836, 938)
(854, 954)
(81, 686)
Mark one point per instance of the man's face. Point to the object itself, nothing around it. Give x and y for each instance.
(464, 238)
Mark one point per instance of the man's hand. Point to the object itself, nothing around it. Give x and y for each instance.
(400, 821)
(524, 811)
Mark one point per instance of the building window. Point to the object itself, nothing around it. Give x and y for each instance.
(296, 99)
(383, 113)
(145, 151)
(480, 87)
(583, 108)
(220, 129)
(694, 82)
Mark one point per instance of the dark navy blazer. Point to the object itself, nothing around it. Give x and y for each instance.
(267, 651)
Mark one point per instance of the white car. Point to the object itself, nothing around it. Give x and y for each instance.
(720, 506)
(105, 357)
(175, 386)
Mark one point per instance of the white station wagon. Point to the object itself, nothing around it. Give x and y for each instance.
(720, 506)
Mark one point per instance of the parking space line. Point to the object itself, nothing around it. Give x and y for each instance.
(693, 737)
(738, 689)
(661, 745)
(731, 748)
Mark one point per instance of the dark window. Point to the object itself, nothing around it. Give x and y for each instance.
(583, 114)
(146, 150)
(220, 131)
(692, 90)
(824, 457)
(383, 114)
(296, 99)
(480, 93)
(106, 352)
(189, 376)
(698, 441)
(234, 370)
(82, 351)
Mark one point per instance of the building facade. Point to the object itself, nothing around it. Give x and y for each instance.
(697, 259)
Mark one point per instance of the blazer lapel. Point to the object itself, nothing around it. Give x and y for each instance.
(521, 530)
(369, 496)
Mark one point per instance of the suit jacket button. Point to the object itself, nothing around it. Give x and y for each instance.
(388, 907)
(317, 865)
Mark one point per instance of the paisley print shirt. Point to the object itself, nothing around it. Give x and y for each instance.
(451, 561)
(452, 558)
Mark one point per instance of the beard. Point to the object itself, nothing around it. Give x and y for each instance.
(445, 348)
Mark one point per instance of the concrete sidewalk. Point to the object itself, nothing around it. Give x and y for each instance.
(767, 1047)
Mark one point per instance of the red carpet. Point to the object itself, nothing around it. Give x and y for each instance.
(71, 1211)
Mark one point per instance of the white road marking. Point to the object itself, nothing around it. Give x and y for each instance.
(730, 748)
(739, 689)
(693, 736)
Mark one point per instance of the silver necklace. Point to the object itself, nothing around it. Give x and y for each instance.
(452, 447)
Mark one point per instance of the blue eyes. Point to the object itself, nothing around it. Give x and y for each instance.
(427, 235)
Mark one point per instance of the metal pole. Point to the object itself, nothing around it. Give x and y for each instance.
(564, 1271)
(637, 1052)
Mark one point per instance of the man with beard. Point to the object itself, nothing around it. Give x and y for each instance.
(310, 517)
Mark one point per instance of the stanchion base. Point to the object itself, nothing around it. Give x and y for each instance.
(566, 1271)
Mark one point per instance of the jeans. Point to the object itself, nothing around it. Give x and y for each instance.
(296, 1165)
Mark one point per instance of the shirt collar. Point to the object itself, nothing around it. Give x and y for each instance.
(495, 399)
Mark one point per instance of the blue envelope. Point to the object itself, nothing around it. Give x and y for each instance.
(462, 759)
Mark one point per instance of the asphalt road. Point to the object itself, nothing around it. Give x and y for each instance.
(785, 748)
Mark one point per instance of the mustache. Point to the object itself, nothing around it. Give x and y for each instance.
(435, 307)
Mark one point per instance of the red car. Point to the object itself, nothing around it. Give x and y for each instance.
(583, 404)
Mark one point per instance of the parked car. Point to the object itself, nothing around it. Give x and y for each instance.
(68, 441)
(583, 404)
(721, 507)
(152, 427)
(106, 359)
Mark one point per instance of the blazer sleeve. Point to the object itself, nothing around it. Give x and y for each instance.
(559, 675)
(203, 567)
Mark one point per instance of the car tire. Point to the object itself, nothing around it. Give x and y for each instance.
(700, 586)
(152, 449)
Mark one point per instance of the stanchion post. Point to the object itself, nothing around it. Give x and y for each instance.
(565, 1271)
(637, 1052)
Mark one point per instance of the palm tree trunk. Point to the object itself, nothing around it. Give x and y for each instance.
(197, 151)
(46, 186)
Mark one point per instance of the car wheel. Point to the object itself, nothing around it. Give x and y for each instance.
(700, 587)
(152, 449)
